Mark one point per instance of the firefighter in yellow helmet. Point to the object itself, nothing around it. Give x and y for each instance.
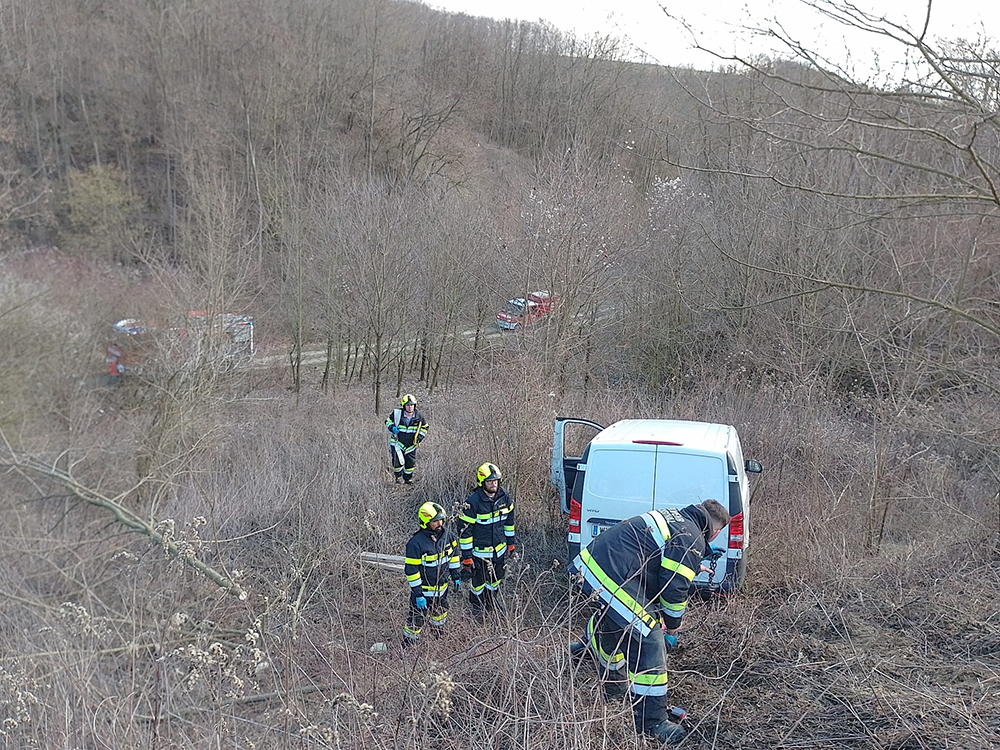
(638, 573)
(486, 538)
(407, 429)
(432, 564)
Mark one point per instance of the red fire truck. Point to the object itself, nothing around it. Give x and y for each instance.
(522, 311)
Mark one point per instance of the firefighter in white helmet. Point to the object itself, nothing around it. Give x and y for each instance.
(432, 564)
(486, 537)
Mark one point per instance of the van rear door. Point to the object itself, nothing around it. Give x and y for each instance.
(619, 486)
(569, 441)
(684, 479)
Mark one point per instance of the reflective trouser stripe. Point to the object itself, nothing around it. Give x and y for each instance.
(612, 662)
(436, 612)
(648, 683)
(491, 585)
(645, 672)
(486, 576)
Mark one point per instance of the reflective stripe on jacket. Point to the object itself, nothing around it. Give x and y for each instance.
(486, 525)
(431, 564)
(412, 430)
(642, 567)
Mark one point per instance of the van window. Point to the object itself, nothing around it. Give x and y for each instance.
(735, 498)
(684, 479)
(580, 478)
(621, 476)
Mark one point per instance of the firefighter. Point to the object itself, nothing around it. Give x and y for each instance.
(432, 564)
(486, 538)
(640, 571)
(407, 428)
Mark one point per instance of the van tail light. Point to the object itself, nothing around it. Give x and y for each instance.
(575, 511)
(735, 532)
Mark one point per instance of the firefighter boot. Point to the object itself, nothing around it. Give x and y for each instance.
(667, 732)
(670, 730)
(577, 648)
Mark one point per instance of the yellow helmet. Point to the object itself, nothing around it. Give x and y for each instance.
(430, 512)
(487, 472)
(409, 398)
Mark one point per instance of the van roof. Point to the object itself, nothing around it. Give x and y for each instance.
(698, 436)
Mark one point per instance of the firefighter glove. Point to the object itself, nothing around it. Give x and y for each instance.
(670, 640)
(510, 547)
(421, 603)
(458, 583)
(395, 429)
(467, 564)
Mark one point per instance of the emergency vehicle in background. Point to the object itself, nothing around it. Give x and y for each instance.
(225, 337)
(521, 310)
(638, 465)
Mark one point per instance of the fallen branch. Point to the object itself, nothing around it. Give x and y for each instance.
(24, 464)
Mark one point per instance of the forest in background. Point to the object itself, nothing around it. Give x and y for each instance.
(772, 245)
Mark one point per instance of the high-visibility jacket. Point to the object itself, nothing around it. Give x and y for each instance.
(431, 563)
(412, 429)
(486, 525)
(642, 568)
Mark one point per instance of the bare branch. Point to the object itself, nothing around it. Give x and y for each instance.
(25, 464)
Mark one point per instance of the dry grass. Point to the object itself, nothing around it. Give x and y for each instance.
(107, 642)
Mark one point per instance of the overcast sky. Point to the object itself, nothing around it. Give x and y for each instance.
(721, 26)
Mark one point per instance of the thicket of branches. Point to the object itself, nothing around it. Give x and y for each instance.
(773, 245)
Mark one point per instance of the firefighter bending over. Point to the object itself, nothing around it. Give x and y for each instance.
(408, 428)
(640, 570)
(486, 536)
(432, 564)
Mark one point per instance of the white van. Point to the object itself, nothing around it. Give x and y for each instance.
(639, 464)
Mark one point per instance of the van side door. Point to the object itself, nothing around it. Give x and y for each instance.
(567, 451)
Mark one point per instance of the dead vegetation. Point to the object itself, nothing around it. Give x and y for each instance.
(773, 247)
(110, 639)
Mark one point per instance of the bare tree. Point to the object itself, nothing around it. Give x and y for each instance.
(372, 226)
(854, 178)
